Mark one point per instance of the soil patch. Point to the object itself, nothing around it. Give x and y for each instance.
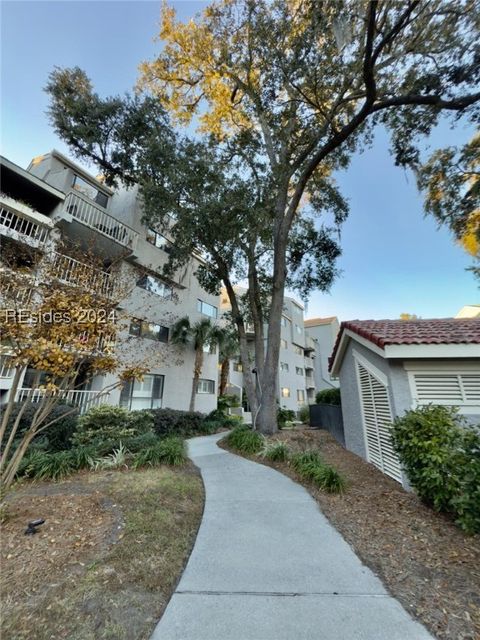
(107, 559)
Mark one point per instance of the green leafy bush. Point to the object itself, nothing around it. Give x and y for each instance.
(116, 460)
(166, 451)
(181, 423)
(310, 466)
(303, 459)
(329, 479)
(244, 440)
(304, 415)
(276, 452)
(329, 396)
(50, 466)
(107, 423)
(441, 457)
(284, 416)
(57, 436)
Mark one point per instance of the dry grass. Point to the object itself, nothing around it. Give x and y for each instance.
(424, 560)
(107, 559)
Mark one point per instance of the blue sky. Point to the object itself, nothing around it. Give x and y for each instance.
(394, 259)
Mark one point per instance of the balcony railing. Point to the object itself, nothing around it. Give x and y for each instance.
(309, 382)
(97, 218)
(309, 363)
(75, 272)
(84, 400)
(17, 219)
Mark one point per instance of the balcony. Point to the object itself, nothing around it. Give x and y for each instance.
(94, 217)
(309, 363)
(19, 222)
(74, 272)
(84, 400)
(309, 382)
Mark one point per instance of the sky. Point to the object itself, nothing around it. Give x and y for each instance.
(394, 259)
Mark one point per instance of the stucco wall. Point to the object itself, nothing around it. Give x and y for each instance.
(325, 335)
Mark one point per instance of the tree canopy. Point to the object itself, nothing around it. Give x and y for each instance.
(283, 92)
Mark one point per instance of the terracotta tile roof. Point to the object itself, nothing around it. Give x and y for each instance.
(314, 322)
(438, 331)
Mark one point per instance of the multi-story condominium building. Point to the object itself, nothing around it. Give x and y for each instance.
(321, 333)
(55, 202)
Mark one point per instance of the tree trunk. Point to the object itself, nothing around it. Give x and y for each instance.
(267, 416)
(250, 388)
(197, 370)
(225, 370)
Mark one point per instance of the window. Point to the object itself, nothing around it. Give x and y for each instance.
(150, 330)
(237, 366)
(284, 343)
(298, 350)
(207, 309)
(298, 329)
(145, 394)
(285, 392)
(300, 395)
(89, 190)
(156, 286)
(283, 366)
(285, 321)
(299, 371)
(206, 386)
(158, 240)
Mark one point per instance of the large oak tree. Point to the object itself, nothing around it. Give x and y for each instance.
(286, 91)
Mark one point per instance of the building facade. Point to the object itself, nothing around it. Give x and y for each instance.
(304, 347)
(55, 203)
(322, 332)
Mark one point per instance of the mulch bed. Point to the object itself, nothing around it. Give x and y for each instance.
(422, 557)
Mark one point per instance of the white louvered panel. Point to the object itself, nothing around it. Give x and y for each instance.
(438, 387)
(471, 387)
(377, 418)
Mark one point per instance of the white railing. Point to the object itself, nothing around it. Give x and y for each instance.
(309, 381)
(97, 218)
(23, 225)
(75, 272)
(84, 400)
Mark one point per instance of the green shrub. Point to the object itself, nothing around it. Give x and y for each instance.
(180, 423)
(116, 460)
(310, 466)
(441, 457)
(329, 396)
(284, 416)
(143, 441)
(244, 440)
(276, 452)
(103, 423)
(303, 459)
(52, 466)
(329, 479)
(166, 451)
(57, 436)
(304, 415)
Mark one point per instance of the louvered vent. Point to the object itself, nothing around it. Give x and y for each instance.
(377, 418)
(447, 388)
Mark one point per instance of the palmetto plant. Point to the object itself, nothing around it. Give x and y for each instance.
(228, 349)
(199, 335)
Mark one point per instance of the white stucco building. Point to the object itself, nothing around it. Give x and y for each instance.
(56, 200)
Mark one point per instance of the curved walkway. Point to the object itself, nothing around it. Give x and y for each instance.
(267, 565)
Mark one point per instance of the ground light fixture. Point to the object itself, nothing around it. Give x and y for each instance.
(32, 526)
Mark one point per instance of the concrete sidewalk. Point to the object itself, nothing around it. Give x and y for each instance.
(267, 565)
